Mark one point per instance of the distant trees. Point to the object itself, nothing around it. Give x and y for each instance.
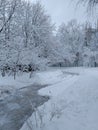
(70, 36)
(77, 45)
(90, 3)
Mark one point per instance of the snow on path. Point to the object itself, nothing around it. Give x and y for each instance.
(58, 87)
(73, 104)
(8, 85)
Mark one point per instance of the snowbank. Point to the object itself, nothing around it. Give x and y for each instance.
(73, 104)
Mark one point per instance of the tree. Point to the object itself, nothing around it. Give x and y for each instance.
(90, 3)
(27, 31)
(71, 40)
(6, 16)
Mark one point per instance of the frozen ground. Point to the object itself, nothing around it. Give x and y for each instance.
(18, 107)
(19, 97)
(8, 85)
(73, 104)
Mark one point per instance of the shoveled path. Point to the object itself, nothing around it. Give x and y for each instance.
(16, 108)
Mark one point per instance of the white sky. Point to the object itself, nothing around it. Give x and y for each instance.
(65, 10)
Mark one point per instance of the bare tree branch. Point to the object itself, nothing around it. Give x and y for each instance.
(90, 3)
(10, 15)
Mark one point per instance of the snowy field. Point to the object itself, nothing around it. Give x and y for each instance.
(9, 85)
(73, 103)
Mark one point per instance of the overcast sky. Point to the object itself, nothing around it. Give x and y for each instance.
(65, 10)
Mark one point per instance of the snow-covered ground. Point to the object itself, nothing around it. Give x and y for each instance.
(73, 104)
(9, 85)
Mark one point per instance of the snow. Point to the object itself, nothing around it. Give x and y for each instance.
(59, 87)
(20, 81)
(50, 76)
(9, 85)
(73, 98)
(73, 103)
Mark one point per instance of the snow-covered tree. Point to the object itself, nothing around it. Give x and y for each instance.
(90, 3)
(29, 34)
(71, 39)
